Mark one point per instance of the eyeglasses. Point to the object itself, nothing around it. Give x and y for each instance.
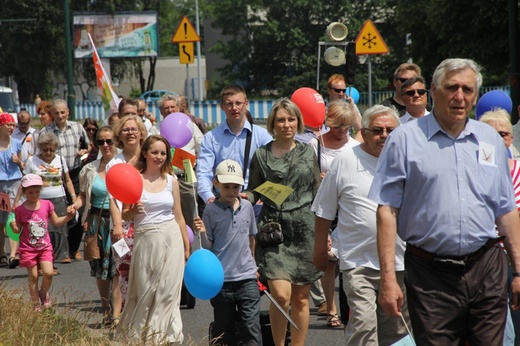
(91, 129)
(339, 90)
(24, 124)
(402, 80)
(48, 150)
(128, 130)
(230, 105)
(504, 133)
(378, 131)
(411, 93)
(101, 142)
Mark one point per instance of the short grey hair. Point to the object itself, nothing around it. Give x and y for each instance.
(456, 64)
(167, 97)
(47, 139)
(59, 102)
(373, 112)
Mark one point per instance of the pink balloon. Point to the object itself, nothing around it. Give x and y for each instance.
(191, 236)
(312, 106)
(177, 128)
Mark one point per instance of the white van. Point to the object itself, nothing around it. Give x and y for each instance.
(7, 102)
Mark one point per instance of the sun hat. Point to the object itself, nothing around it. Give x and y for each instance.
(31, 180)
(229, 172)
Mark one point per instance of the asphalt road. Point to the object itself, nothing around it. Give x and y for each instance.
(74, 292)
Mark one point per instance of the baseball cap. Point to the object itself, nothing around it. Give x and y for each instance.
(229, 172)
(31, 180)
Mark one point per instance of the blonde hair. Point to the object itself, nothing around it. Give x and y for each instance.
(340, 113)
(291, 108)
(118, 128)
(497, 115)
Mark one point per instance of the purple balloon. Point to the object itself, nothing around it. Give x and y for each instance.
(190, 234)
(177, 128)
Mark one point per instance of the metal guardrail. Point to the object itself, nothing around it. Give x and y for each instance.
(212, 114)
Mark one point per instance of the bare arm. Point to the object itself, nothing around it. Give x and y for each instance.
(115, 214)
(62, 220)
(390, 294)
(321, 234)
(177, 211)
(508, 225)
(201, 228)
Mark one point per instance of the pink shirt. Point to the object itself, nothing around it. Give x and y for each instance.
(35, 234)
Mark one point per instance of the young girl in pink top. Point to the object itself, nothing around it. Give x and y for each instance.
(32, 218)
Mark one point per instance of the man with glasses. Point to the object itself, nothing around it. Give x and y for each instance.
(415, 99)
(402, 74)
(443, 185)
(228, 141)
(72, 144)
(344, 192)
(24, 133)
(337, 88)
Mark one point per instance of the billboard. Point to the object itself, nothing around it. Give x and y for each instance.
(119, 36)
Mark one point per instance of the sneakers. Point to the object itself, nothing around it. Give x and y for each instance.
(45, 300)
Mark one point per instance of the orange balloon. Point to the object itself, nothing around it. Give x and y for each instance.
(124, 183)
(312, 106)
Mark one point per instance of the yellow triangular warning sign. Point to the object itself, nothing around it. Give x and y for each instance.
(369, 41)
(185, 32)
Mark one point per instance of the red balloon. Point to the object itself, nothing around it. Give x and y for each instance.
(311, 105)
(124, 183)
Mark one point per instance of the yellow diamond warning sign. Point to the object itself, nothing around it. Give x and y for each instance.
(369, 41)
(185, 32)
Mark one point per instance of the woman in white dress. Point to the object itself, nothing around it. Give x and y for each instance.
(161, 247)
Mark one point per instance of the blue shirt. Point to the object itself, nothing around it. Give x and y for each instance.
(221, 144)
(449, 190)
(229, 230)
(8, 169)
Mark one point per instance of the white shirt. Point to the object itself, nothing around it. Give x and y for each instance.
(327, 155)
(345, 189)
(408, 117)
(27, 146)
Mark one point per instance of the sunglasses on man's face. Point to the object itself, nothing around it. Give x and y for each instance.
(101, 142)
(411, 93)
(402, 80)
(339, 90)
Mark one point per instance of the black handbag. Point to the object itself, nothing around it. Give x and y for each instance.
(270, 234)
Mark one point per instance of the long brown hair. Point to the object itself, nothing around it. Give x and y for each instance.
(141, 161)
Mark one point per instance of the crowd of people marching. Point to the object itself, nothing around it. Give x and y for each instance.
(414, 208)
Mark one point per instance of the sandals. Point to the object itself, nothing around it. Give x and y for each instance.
(3, 261)
(14, 262)
(333, 321)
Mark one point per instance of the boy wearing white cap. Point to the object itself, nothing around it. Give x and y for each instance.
(228, 229)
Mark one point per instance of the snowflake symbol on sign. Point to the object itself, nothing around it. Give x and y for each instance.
(370, 40)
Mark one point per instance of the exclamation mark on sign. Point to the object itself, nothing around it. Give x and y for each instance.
(185, 31)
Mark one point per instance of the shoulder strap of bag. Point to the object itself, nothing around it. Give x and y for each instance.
(246, 153)
(319, 153)
(100, 213)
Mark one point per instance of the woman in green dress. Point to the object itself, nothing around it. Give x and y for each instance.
(287, 267)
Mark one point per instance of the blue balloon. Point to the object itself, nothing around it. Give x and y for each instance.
(491, 100)
(203, 274)
(353, 93)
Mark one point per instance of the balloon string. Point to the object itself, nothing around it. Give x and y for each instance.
(196, 212)
(153, 224)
